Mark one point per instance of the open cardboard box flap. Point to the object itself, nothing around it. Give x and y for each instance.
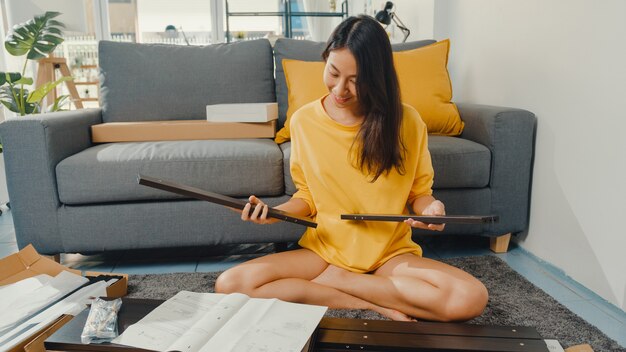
(28, 263)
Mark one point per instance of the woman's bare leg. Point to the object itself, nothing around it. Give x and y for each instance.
(288, 276)
(419, 287)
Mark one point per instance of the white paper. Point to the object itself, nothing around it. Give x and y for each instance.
(26, 297)
(215, 322)
(554, 346)
(9, 293)
(206, 327)
(268, 325)
(72, 305)
(169, 321)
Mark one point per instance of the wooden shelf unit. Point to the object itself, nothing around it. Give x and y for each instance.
(81, 55)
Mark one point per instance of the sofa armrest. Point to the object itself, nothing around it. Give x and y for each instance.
(510, 136)
(33, 146)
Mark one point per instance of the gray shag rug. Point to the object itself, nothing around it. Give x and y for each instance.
(513, 300)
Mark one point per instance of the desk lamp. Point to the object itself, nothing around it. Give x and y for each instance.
(388, 14)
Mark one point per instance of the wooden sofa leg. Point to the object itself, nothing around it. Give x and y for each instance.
(500, 244)
(55, 257)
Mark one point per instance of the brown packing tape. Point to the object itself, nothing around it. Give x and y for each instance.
(579, 348)
(180, 130)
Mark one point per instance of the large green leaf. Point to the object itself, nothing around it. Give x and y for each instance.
(42, 91)
(36, 37)
(58, 103)
(10, 77)
(7, 98)
(24, 80)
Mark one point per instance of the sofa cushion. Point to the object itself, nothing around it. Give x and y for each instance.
(290, 187)
(285, 48)
(108, 172)
(304, 85)
(458, 163)
(305, 50)
(425, 85)
(153, 82)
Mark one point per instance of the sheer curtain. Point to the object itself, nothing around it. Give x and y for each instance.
(320, 27)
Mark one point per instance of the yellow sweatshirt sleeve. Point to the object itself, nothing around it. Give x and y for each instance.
(297, 175)
(424, 173)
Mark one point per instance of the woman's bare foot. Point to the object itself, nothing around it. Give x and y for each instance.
(333, 275)
(392, 314)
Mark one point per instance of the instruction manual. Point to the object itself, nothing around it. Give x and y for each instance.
(192, 321)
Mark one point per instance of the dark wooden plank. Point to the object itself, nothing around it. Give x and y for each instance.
(435, 219)
(377, 341)
(429, 328)
(221, 199)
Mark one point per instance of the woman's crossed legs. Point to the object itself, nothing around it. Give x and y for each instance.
(406, 286)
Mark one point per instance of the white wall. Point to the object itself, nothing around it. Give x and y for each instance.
(564, 60)
(418, 16)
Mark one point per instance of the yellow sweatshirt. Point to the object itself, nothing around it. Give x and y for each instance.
(326, 179)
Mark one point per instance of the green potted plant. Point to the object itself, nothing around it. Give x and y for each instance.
(34, 39)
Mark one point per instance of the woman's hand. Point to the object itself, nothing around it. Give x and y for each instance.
(259, 214)
(436, 207)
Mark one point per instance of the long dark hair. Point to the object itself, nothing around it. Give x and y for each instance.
(379, 143)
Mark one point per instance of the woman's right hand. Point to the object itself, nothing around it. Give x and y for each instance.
(259, 214)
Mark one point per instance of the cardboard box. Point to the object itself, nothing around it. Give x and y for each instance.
(246, 112)
(36, 343)
(179, 130)
(28, 263)
(580, 348)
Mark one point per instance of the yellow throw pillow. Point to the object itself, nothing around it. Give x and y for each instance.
(305, 83)
(425, 85)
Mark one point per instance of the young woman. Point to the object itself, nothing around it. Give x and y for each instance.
(359, 150)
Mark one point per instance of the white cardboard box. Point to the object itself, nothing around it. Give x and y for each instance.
(246, 112)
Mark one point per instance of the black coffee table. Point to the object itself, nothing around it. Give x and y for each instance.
(335, 334)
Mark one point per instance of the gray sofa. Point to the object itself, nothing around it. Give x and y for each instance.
(70, 195)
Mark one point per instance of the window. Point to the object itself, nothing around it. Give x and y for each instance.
(266, 21)
(184, 22)
(181, 22)
(80, 45)
(300, 19)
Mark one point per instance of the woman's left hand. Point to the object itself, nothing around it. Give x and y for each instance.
(434, 208)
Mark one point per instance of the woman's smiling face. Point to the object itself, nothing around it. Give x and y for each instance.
(340, 79)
